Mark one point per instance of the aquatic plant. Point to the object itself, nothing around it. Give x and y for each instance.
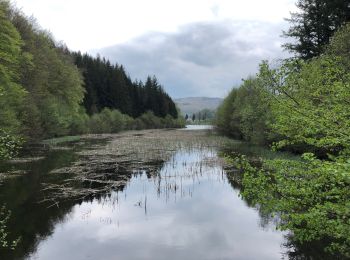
(5, 243)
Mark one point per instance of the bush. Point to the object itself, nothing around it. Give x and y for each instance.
(138, 124)
(113, 121)
(150, 120)
(225, 119)
(246, 113)
(80, 124)
(9, 145)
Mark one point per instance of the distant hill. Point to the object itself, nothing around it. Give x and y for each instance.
(192, 105)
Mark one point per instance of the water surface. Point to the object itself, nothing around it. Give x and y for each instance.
(199, 127)
(186, 209)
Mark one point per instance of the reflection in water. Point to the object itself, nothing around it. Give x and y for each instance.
(198, 127)
(186, 211)
(29, 219)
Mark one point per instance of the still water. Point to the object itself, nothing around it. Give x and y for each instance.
(188, 210)
(198, 127)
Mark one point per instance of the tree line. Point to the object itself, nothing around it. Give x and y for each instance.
(301, 105)
(109, 86)
(204, 115)
(48, 91)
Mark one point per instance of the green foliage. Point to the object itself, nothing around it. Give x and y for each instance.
(226, 119)
(311, 197)
(4, 242)
(311, 105)
(10, 46)
(246, 112)
(11, 93)
(108, 121)
(79, 123)
(340, 45)
(9, 145)
(113, 121)
(148, 120)
(55, 87)
(299, 104)
(253, 111)
(52, 82)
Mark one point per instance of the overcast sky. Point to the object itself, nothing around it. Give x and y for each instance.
(194, 47)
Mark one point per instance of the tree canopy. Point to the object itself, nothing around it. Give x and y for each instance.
(109, 86)
(314, 24)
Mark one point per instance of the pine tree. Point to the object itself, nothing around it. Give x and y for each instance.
(109, 86)
(315, 24)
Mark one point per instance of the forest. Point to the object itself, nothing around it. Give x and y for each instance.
(301, 105)
(48, 91)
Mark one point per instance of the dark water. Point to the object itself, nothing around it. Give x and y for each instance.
(189, 210)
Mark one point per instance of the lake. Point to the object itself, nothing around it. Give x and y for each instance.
(153, 194)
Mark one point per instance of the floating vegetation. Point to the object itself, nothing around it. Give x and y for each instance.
(26, 159)
(110, 167)
(11, 174)
(60, 140)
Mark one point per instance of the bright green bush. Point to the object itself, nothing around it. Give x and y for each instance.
(310, 106)
(227, 119)
(311, 198)
(246, 112)
(9, 145)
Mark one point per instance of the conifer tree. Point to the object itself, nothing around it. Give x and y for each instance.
(313, 26)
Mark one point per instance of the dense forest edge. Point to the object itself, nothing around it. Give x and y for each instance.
(48, 91)
(300, 105)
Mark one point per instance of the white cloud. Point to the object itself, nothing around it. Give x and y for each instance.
(200, 59)
(91, 24)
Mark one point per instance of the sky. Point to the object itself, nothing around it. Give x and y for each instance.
(194, 47)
